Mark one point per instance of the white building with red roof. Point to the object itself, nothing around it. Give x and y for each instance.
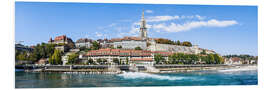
(139, 57)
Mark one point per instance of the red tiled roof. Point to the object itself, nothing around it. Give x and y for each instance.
(235, 59)
(60, 37)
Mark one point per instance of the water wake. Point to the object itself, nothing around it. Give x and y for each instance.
(139, 75)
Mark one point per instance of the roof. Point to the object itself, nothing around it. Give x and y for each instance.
(60, 37)
(235, 59)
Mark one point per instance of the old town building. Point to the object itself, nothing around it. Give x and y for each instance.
(63, 43)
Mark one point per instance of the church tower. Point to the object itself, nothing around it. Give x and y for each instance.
(143, 29)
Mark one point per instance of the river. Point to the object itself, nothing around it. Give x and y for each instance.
(132, 79)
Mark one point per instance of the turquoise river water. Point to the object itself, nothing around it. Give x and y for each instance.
(133, 79)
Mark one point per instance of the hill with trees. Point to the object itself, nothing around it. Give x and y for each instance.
(167, 41)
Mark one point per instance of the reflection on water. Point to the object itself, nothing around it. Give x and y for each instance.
(63, 80)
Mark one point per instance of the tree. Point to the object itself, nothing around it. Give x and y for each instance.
(55, 59)
(173, 59)
(95, 46)
(158, 58)
(218, 59)
(83, 48)
(71, 45)
(73, 58)
(178, 42)
(91, 61)
(22, 56)
(138, 48)
(111, 47)
(203, 52)
(99, 61)
(127, 61)
(104, 61)
(210, 59)
(116, 61)
(186, 43)
(148, 44)
(193, 59)
(119, 47)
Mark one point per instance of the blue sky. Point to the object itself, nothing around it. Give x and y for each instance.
(225, 29)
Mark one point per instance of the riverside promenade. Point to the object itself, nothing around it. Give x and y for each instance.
(120, 68)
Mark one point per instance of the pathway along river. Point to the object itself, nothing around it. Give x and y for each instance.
(242, 76)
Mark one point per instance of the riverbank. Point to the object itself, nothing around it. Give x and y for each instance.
(207, 68)
(108, 69)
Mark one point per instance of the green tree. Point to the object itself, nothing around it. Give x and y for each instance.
(186, 43)
(138, 48)
(104, 61)
(91, 61)
(95, 46)
(210, 59)
(83, 48)
(73, 58)
(127, 61)
(116, 61)
(55, 59)
(178, 42)
(203, 52)
(99, 61)
(158, 58)
(218, 59)
(119, 47)
(22, 56)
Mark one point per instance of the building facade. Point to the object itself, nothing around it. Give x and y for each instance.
(233, 61)
(129, 43)
(63, 43)
(139, 57)
(83, 42)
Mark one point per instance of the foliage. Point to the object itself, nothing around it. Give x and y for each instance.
(186, 43)
(181, 58)
(116, 61)
(73, 58)
(22, 56)
(164, 41)
(148, 44)
(61, 44)
(127, 61)
(158, 58)
(138, 48)
(55, 59)
(203, 52)
(101, 61)
(91, 61)
(167, 41)
(111, 47)
(71, 45)
(119, 47)
(39, 51)
(95, 46)
(84, 49)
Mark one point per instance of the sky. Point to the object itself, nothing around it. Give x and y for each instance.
(224, 29)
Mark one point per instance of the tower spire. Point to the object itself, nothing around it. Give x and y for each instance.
(143, 15)
(143, 31)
